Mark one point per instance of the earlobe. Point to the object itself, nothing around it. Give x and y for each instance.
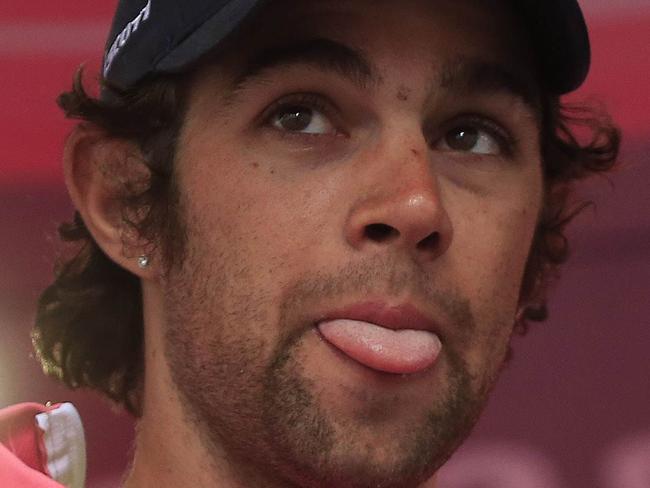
(100, 171)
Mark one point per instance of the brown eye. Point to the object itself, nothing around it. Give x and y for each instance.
(301, 119)
(471, 139)
(462, 138)
(294, 119)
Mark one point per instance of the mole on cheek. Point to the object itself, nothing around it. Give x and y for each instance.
(403, 94)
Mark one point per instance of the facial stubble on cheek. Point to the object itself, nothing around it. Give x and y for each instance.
(264, 405)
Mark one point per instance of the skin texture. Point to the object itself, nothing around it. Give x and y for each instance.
(281, 228)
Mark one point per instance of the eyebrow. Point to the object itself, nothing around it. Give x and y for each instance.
(460, 75)
(324, 54)
(471, 75)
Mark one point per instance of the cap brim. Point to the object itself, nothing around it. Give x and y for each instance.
(208, 36)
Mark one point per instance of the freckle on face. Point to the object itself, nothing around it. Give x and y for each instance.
(403, 94)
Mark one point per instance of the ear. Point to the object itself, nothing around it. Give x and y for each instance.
(99, 171)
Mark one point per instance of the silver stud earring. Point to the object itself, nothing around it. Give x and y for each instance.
(143, 261)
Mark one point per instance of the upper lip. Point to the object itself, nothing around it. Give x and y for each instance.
(396, 317)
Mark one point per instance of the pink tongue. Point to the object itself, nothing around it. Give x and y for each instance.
(392, 351)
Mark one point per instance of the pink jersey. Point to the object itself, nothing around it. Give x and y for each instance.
(41, 447)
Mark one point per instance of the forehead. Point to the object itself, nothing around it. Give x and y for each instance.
(395, 36)
(421, 43)
(488, 26)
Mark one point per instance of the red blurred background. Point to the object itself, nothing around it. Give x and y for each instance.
(573, 409)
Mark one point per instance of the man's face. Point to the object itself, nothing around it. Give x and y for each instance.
(349, 158)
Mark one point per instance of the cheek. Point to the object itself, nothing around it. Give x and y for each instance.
(497, 246)
(494, 244)
(253, 219)
(494, 232)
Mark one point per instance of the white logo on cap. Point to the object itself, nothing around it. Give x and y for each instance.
(124, 36)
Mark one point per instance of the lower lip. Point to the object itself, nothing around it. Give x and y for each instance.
(384, 350)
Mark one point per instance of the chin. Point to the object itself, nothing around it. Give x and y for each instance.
(339, 450)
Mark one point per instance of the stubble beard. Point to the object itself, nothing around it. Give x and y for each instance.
(266, 413)
(321, 455)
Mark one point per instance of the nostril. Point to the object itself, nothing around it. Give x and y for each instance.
(429, 242)
(380, 232)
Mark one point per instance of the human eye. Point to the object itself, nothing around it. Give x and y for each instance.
(302, 114)
(476, 136)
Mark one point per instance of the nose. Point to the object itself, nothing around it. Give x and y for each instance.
(402, 209)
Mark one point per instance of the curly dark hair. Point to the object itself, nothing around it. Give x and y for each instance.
(89, 330)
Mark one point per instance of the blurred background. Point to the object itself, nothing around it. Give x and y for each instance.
(573, 409)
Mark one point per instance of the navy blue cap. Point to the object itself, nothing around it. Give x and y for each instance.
(166, 36)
